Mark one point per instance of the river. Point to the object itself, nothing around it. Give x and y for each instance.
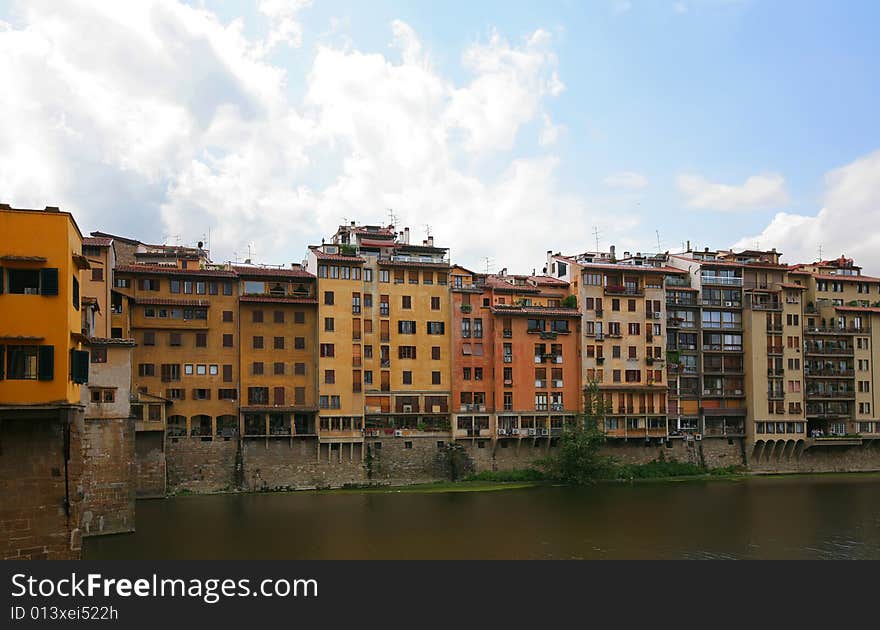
(831, 516)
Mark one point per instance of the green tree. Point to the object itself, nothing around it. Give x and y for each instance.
(578, 459)
(570, 301)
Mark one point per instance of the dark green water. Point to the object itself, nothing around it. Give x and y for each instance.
(785, 517)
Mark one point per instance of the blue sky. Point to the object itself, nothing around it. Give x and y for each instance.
(689, 99)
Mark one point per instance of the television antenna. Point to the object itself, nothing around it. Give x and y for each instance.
(596, 236)
(488, 262)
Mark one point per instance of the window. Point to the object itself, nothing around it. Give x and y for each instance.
(327, 350)
(212, 370)
(330, 376)
(226, 394)
(148, 284)
(406, 352)
(299, 343)
(26, 281)
(257, 316)
(299, 369)
(187, 286)
(257, 368)
(466, 374)
(435, 303)
(227, 288)
(201, 287)
(99, 355)
(384, 275)
(278, 343)
(406, 301)
(299, 317)
(436, 328)
(227, 341)
(328, 298)
(227, 316)
(201, 340)
(406, 327)
(329, 324)
(435, 378)
(407, 377)
(144, 369)
(278, 368)
(258, 342)
(170, 372)
(22, 362)
(175, 339)
(435, 353)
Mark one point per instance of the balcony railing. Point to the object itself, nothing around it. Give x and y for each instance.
(829, 373)
(721, 280)
(838, 330)
(845, 393)
(809, 349)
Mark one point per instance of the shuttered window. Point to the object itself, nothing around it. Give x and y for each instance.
(79, 366)
(49, 281)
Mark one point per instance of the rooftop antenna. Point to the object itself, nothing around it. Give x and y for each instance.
(488, 262)
(392, 217)
(596, 236)
(820, 251)
(427, 229)
(251, 251)
(659, 247)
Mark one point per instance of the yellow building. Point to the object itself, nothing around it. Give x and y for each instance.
(184, 321)
(384, 338)
(277, 314)
(41, 332)
(43, 367)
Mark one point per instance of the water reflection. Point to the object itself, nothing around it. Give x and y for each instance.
(795, 517)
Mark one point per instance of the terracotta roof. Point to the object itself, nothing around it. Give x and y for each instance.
(549, 280)
(171, 302)
(633, 269)
(104, 341)
(789, 285)
(321, 255)
(175, 271)
(502, 309)
(270, 272)
(278, 300)
(834, 276)
(97, 241)
(420, 248)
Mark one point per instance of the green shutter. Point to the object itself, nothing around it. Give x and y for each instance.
(2, 277)
(79, 366)
(46, 363)
(2, 360)
(49, 281)
(75, 293)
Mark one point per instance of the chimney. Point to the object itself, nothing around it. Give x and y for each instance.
(533, 271)
(688, 246)
(611, 250)
(503, 272)
(706, 250)
(406, 235)
(430, 241)
(352, 224)
(626, 254)
(52, 209)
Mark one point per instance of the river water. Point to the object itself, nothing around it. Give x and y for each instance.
(835, 516)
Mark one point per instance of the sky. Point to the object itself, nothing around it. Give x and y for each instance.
(505, 128)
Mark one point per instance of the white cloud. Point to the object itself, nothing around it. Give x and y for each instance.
(848, 222)
(758, 191)
(157, 119)
(627, 180)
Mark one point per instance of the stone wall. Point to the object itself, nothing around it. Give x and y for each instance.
(34, 520)
(107, 486)
(864, 457)
(300, 463)
(198, 465)
(150, 464)
(399, 461)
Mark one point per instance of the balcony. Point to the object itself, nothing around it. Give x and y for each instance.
(829, 373)
(825, 350)
(623, 290)
(837, 330)
(776, 395)
(841, 394)
(774, 349)
(681, 301)
(678, 281)
(725, 281)
(774, 327)
(775, 372)
(766, 306)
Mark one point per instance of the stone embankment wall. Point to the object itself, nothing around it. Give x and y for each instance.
(107, 485)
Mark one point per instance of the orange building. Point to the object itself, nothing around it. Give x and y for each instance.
(515, 356)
